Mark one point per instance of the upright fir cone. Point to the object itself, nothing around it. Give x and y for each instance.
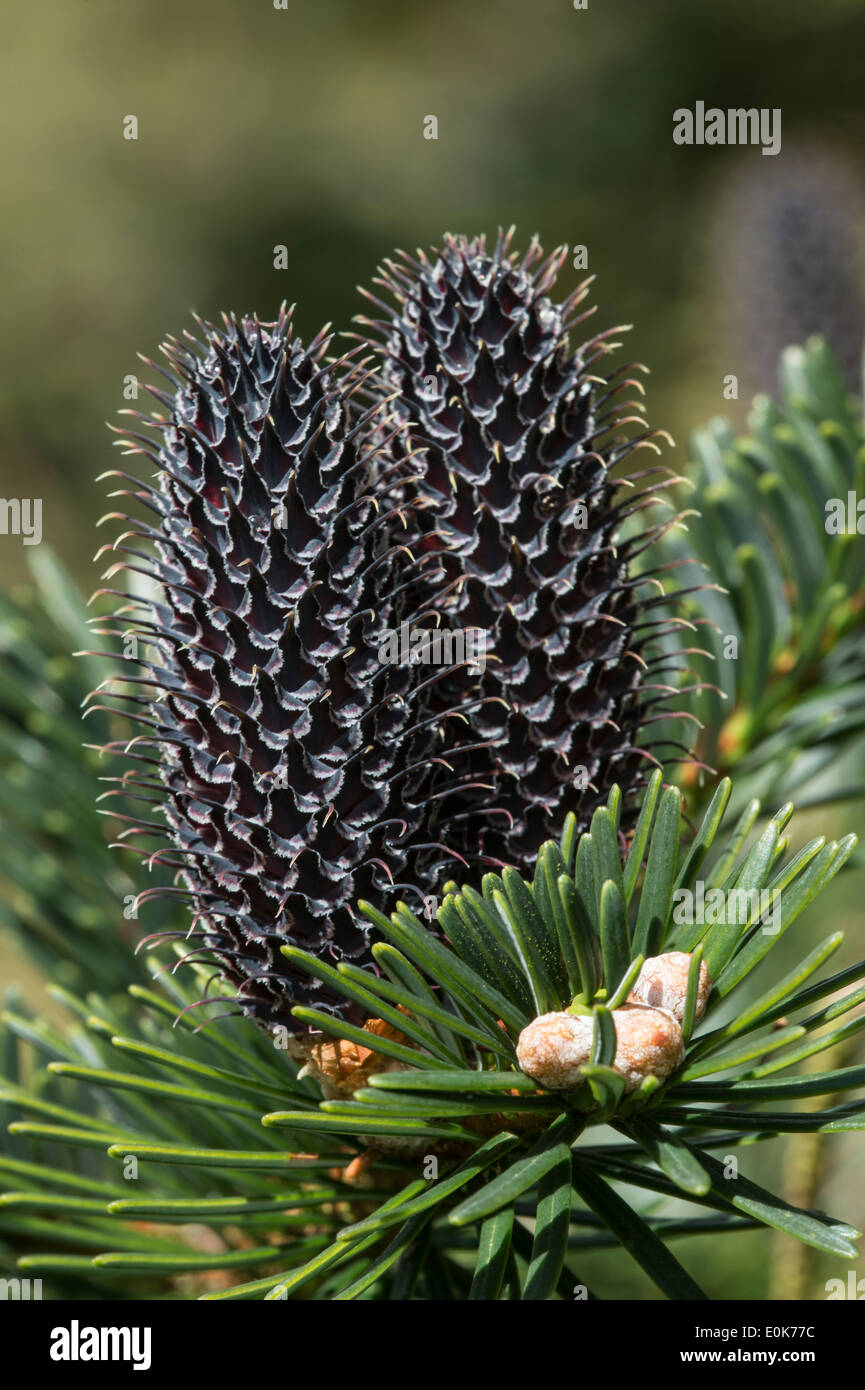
(517, 434)
(293, 767)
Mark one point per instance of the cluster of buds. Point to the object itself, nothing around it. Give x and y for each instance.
(649, 1039)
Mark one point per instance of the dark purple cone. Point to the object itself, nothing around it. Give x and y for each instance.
(517, 434)
(294, 766)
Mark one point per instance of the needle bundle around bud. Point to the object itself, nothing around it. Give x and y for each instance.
(439, 1077)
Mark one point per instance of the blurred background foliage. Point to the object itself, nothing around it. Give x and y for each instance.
(304, 127)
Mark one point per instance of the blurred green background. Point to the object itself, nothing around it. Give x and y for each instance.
(304, 127)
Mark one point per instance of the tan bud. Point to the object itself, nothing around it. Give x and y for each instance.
(663, 984)
(648, 1043)
(552, 1048)
(341, 1067)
